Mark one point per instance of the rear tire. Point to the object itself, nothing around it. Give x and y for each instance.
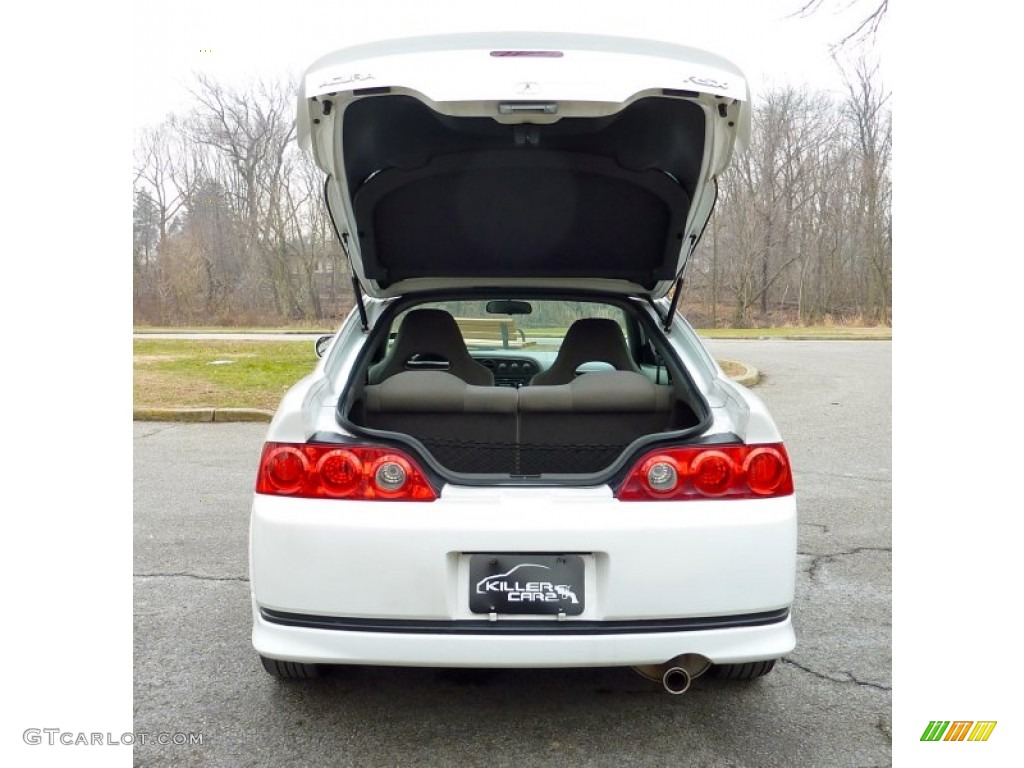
(290, 670)
(746, 671)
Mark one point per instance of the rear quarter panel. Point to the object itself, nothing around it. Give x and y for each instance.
(736, 409)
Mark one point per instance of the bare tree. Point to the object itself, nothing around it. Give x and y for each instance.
(866, 28)
(765, 193)
(155, 173)
(244, 232)
(871, 123)
(802, 230)
(145, 237)
(251, 133)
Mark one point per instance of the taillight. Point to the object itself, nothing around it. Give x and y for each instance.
(319, 471)
(703, 472)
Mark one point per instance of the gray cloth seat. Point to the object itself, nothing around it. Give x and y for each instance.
(432, 334)
(592, 339)
(583, 426)
(599, 392)
(436, 392)
(466, 427)
(580, 427)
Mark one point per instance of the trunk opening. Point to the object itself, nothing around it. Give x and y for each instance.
(592, 390)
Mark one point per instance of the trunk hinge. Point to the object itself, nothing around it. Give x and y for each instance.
(357, 289)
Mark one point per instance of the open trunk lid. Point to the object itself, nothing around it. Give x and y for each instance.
(529, 160)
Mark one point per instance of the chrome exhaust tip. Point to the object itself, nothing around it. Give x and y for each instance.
(676, 674)
(676, 680)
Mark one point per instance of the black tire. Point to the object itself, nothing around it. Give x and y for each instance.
(746, 671)
(290, 670)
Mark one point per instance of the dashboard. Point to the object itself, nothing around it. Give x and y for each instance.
(510, 371)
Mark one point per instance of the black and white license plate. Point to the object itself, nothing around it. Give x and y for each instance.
(526, 584)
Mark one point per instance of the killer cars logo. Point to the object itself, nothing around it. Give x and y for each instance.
(516, 591)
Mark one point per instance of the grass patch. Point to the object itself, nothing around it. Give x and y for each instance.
(218, 374)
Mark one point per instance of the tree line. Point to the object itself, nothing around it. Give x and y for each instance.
(230, 227)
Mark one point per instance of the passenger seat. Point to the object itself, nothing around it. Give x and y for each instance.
(592, 339)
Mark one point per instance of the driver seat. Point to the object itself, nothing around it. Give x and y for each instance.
(434, 334)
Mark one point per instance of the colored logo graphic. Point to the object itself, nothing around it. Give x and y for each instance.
(958, 730)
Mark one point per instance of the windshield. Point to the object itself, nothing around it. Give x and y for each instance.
(484, 327)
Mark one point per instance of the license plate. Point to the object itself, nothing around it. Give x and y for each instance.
(526, 584)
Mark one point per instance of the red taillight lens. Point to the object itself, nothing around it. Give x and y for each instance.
(314, 470)
(713, 473)
(340, 472)
(702, 472)
(766, 470)
(285, 468)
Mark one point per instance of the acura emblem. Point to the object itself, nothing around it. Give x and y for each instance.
(527, 87)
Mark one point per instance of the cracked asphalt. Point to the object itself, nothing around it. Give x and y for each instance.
(826, 704)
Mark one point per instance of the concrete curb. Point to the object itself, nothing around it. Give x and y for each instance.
(200, 415)
(749, 378)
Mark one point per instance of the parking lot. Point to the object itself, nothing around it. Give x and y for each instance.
(827, 704)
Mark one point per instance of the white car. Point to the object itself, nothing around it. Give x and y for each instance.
(515, 452)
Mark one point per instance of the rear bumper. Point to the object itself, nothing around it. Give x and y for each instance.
(388, 583)
(464, 647)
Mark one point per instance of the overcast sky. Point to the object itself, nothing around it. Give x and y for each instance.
(236, 41)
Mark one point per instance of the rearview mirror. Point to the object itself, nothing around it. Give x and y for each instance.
(509, 307)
